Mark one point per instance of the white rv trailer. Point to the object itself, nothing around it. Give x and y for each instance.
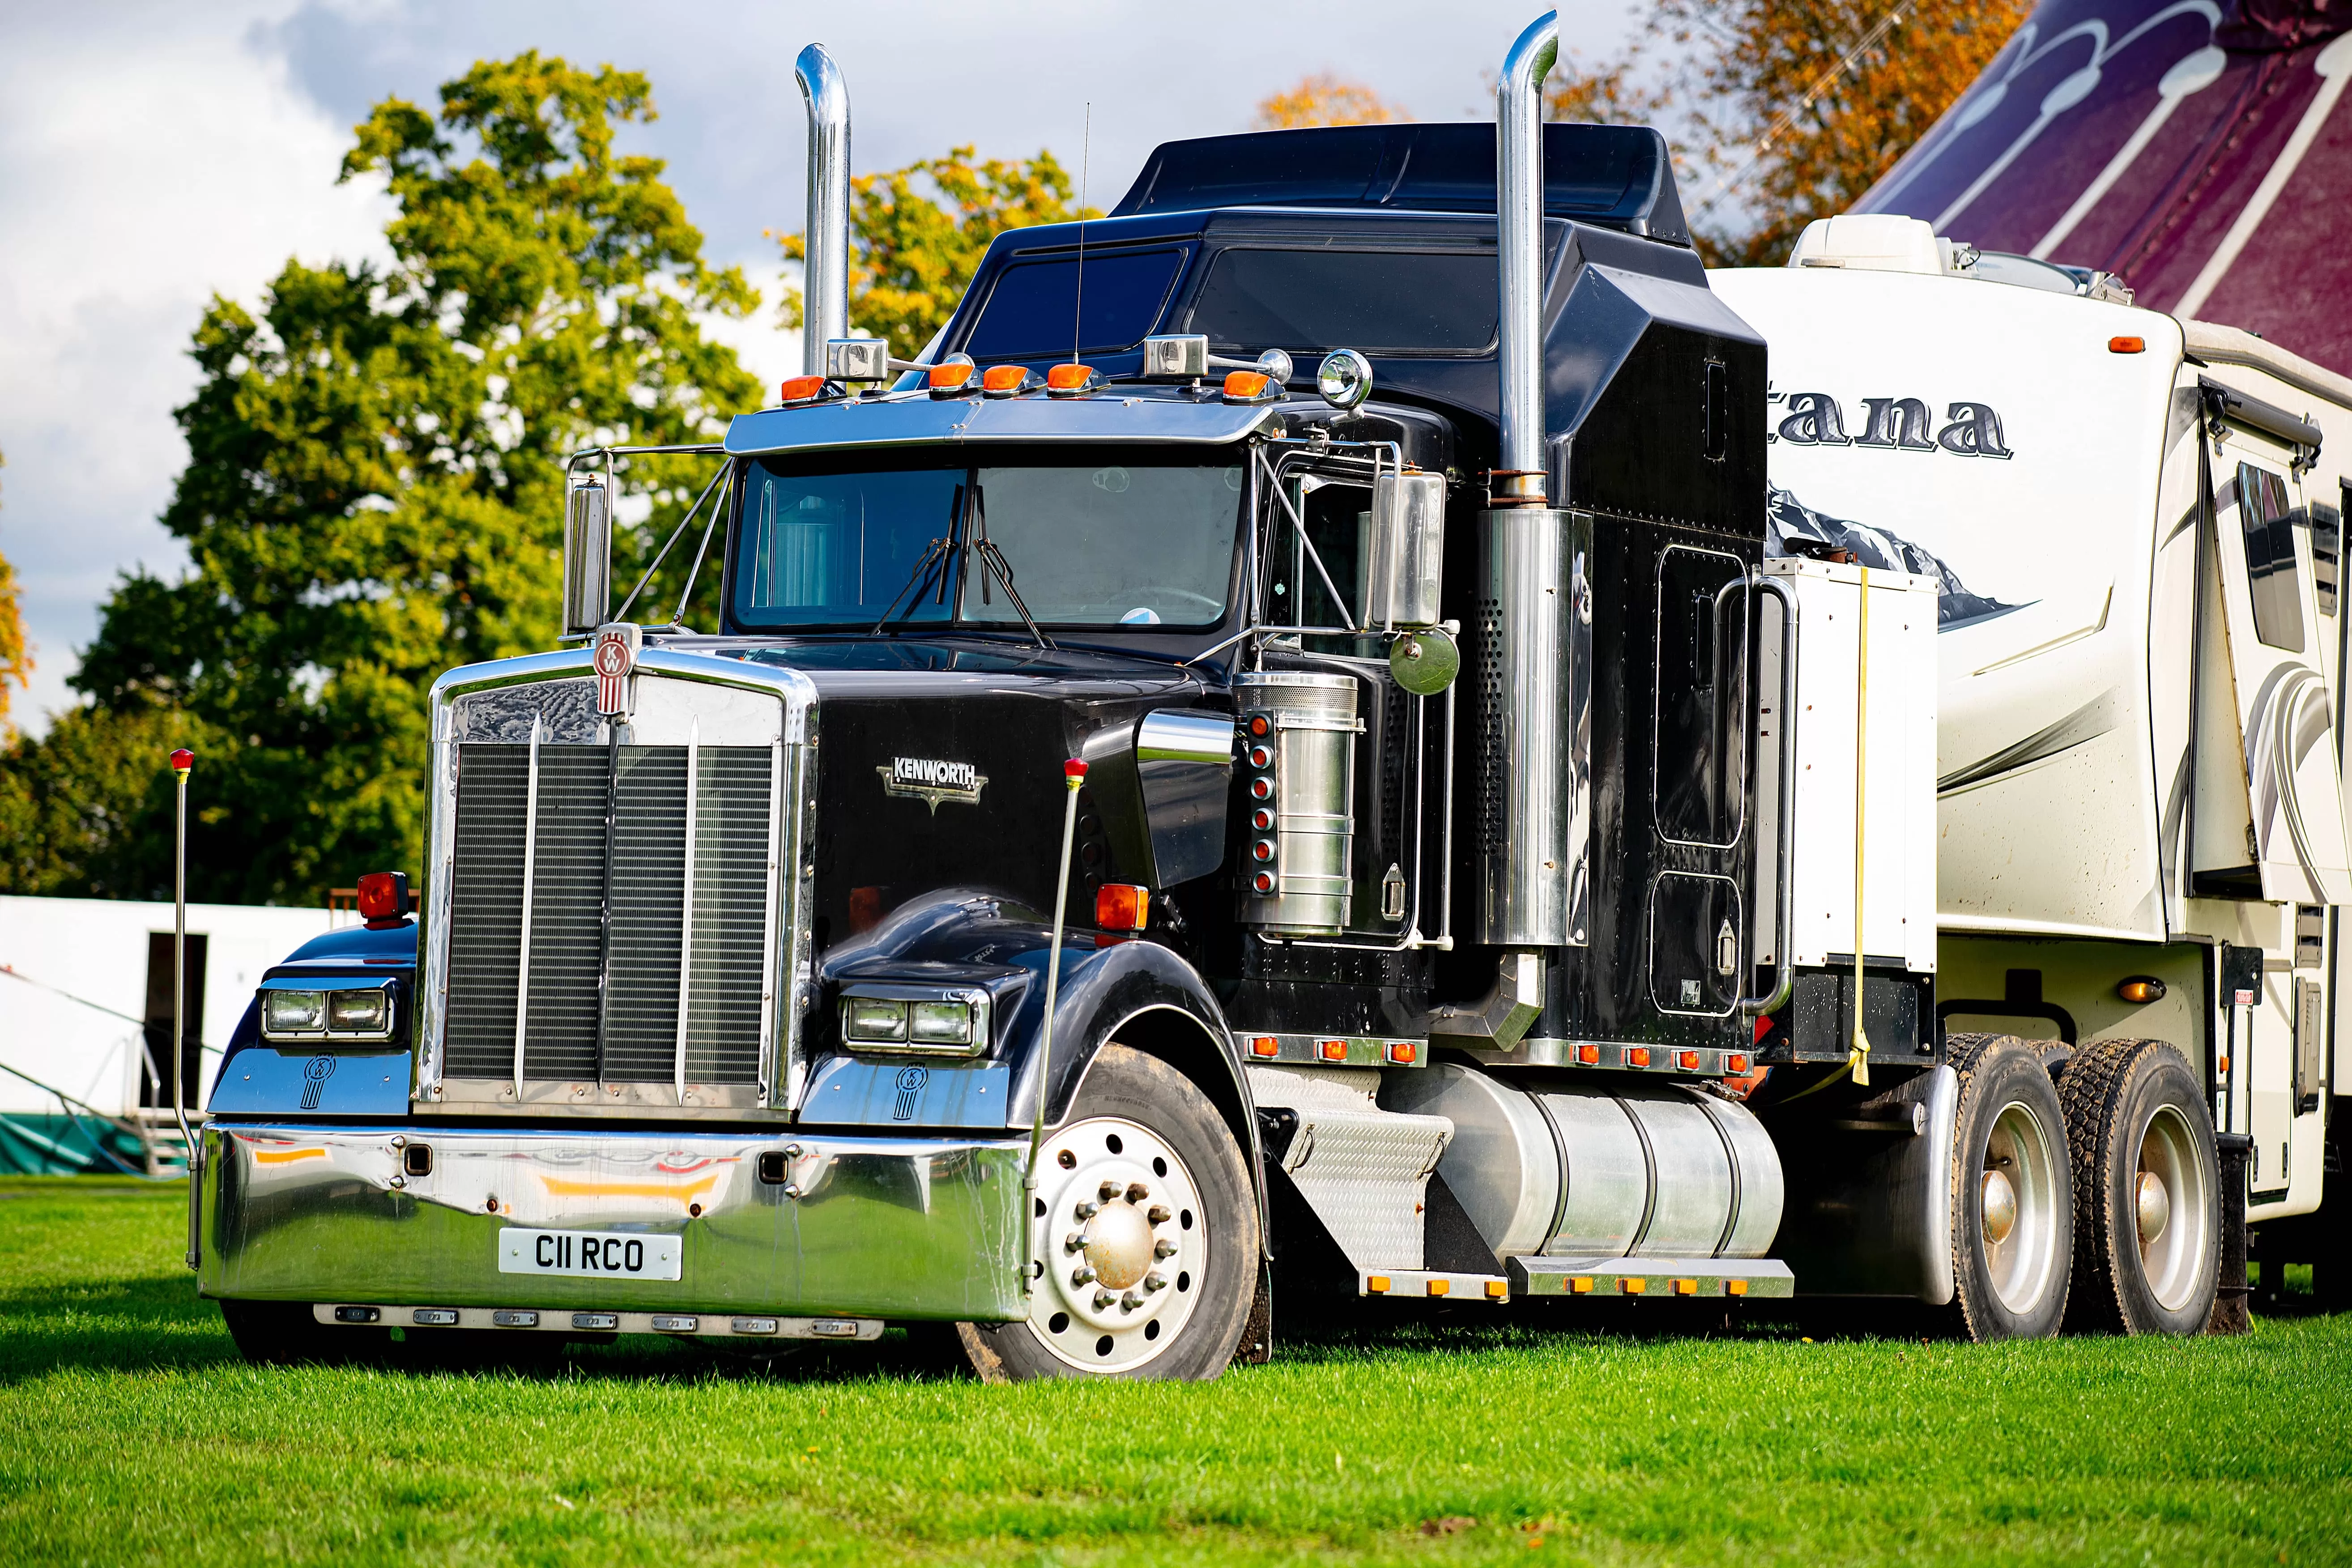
(2139, 702)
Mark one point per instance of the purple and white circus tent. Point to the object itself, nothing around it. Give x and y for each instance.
(2195, 148)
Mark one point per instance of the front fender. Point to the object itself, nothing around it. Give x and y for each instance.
(1134, 991)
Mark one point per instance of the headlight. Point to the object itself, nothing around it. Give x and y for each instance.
(871, 1018)
(358, 1010)
(293, 1012)
(951, 1026)
(943, 1023)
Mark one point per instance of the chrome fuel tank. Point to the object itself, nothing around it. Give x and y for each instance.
(1634, 1170)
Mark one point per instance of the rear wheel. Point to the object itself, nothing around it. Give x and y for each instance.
(2012, 1200)
(1144, 1233)
(2147, 1225)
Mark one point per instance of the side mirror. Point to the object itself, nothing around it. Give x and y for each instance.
(1406, 551)
(587, 559)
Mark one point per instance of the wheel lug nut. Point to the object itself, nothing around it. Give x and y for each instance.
(1155, 1281)
(1110, 1192)
(1082, 1274)
(1075, 1242)
(1102, 1300)
(1088, 1211)
(1129, 1302)
(1157, 1213)
(1137, 1192)
(1163, 1247)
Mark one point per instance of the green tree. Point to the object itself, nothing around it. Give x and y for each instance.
(910, 257)
(1788, 111)
(376, 480)
(15, 659)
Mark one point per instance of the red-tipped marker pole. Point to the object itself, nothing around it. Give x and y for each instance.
(1074, 774)
(183, 762)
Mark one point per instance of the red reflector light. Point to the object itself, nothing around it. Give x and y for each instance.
(383, 898)
(1263, 881)
(1122, 906)
(1331, 1050)
(801, 388)
(1405, 1053)
(1588, 1055)
(952, 377)
(1688, 1061)
(1261, 788)
(1735, 1064)
(2127, 345)
(183, 760)
(1007, 380)
(1251, 386)
(1071, 380)
(1261, 756)
(1261, 725)
(1263, 1045)
(1763, 1028)
(1637, 1056)
(1262, 820)
(1263, 850)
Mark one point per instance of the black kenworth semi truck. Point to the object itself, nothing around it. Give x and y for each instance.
(735, 1007)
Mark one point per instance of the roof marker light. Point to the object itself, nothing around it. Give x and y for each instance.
(951, 377)
(1252, 386)
(1007, 380)
(801, 389)
(1071, 380)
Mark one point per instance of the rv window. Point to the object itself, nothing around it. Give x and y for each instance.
(1033, 310)
(1381, 302)
(2269, 531)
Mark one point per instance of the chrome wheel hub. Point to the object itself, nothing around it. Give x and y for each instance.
(2018, 1211)
(2172, 1193)
(1120, 1240)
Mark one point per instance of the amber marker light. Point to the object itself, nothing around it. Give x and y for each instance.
(952, 379)
(2127, 345)
(1496, 1290)
(801, 389)
(1376, 1284)
(1331, 1050)
(1006, 379)
(1403, 1053)
(1071, 380)
(1589, 1056)
(1688, 1061)
(1637, 1056)
(1440, 1286)
(2141, 989)
(1251, 386)
(1122, 906)
(1735, 1064)
(1264, 1045)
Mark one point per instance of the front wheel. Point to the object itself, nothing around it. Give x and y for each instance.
(1144, 1237)
(2012, 1197)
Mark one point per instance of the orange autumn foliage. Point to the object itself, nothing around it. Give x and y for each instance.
(1323, 99)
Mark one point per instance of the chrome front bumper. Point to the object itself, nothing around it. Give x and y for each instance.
(863, 1227)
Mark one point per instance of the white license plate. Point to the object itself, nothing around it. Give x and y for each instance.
(603, 1254)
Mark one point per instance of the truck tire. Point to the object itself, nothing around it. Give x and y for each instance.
(2012, 1196)
(284, 1333)
(1146, 1233)
(2147, 1221)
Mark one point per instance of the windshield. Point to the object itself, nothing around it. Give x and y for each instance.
(1100, 538)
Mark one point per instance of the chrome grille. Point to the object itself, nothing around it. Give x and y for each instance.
(709, 951)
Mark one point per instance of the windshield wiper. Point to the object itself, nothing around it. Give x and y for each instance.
(993, 565)
(934, 557)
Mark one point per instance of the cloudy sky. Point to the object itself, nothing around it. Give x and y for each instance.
(152, 155)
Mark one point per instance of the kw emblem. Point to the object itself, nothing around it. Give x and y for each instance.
(910, 1084)
(315, 1074)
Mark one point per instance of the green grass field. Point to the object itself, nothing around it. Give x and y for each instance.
(130, 1431)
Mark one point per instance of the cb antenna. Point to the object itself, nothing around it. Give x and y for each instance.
(1086, 152)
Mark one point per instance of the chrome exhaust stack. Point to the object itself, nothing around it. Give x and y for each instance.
(1534, 611)
(824, 274)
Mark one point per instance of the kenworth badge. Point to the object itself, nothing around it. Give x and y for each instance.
(928, 778)
(616, 668)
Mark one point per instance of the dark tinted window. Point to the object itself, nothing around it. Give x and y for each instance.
(2270, 557)
(1406, 303)
(1033, 305)
(826, 549)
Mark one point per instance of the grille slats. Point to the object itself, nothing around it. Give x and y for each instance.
(729, 959)
(648, 918)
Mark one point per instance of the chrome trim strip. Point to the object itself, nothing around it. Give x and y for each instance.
(685, 905)
(777, 891)
(1785, 888)
(530, 872)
